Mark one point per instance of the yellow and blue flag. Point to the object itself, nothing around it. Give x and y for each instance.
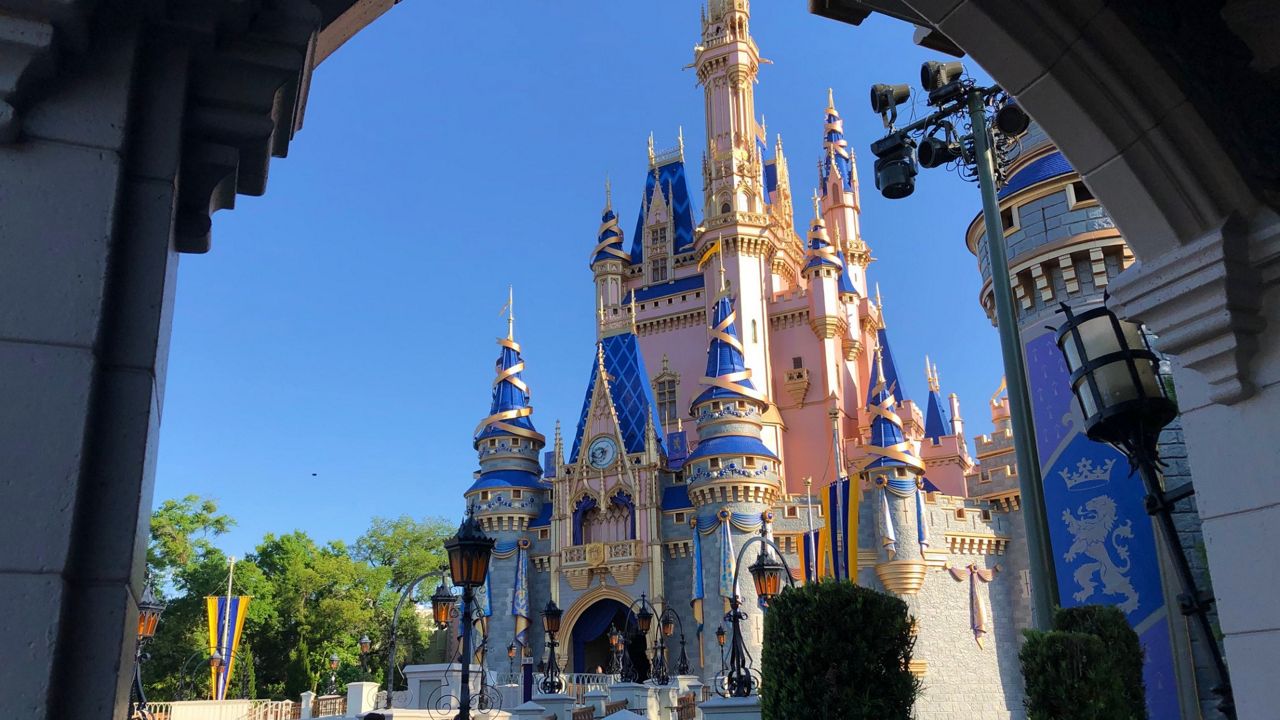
(226, 622)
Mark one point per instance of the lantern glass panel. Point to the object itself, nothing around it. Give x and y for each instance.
(1133, 336)
(366, 643)
(1150, 381)
(1068, 347)
(668, 625)
(1115, 383)
(1099, 337)
(1083, 390)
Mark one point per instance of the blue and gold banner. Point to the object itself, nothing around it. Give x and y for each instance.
(839, 554)
(1103, 541)
(226, 622)
(699, 592)
(520, 597)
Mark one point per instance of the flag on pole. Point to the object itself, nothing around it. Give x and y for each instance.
(226, 621)
(728, 589)
(699, 591)
(520, 598)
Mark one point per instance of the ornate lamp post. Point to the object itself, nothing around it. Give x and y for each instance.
(551, 682)
(469, 553)
(1116, 382)
(638, 621)
(150, 608)
(511, 659)
(616, 646)
(767, 573)
(442, 602)
(669, 621)
(334, 662)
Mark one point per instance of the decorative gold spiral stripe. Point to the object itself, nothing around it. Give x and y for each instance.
(824, 251)
(730, 382)
(497, 420)
(884, 409)
(721, 331)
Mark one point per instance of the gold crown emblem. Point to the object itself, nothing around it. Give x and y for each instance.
(1087, 475)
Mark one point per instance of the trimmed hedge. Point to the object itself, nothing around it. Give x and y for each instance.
(1089, 667)
(837, 650)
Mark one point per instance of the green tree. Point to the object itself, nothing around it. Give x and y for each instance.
(182, 533)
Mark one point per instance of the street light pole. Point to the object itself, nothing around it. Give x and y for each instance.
(954, 94)
(1044, 583)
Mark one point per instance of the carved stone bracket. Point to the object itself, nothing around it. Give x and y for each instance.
(33, 36)
(1202, 301)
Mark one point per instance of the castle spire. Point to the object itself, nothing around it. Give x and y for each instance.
(935, 421)
(836, 149)
(821, 253)
(511, 313)
(888, 445)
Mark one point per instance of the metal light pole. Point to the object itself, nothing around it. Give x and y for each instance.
(955, 96)
(1044, 582)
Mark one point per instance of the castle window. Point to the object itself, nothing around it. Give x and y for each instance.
(493, 443)
(1009, 219)
(754, 336)
(666, 395)
(515, 442)
(517, 494)
(484, 495)
(797, 363)
(725, 208)
(715, 407)
(749, 462)
(680, 517)
(986, 515)
(714, 463)
(792, 511)
(1079, 193)
(959, 513)
(658, 270)
(544, 534)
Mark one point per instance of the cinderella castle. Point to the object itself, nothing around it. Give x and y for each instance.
(742, 382)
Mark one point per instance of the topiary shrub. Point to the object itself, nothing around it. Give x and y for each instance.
(1089, 667)
(837, 650)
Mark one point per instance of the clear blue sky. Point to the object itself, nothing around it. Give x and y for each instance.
(333, 353)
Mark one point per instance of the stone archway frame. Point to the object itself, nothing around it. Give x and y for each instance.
(584, 601)
(1206, 246)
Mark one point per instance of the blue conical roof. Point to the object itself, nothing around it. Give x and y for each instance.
(845, 283)
(888, 445)
(609, 239)
(837, 155)
(821, 252)
(509, 411)
(935, 417)
(667, 178)
(890, 367)
(724, 357)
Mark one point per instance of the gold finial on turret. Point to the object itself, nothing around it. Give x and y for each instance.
(931, 374)
(608, 193)
(836, 241)
(831, 101)
(633, 313)
(680, 139)
(600, 311)
(879, 302)
(652, 159)
(817, 207)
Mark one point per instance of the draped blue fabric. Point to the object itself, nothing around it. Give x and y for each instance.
(590, 625)
(579, 511)
(624, 499)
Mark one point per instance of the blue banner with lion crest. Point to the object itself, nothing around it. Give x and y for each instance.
(1103, 541)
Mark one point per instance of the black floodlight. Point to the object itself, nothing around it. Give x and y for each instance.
(895, 165)
(935, 152)
(1012, 120)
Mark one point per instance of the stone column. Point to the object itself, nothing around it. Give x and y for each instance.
(308, 704)
(122, 127)
(734, 708)
(361, 697)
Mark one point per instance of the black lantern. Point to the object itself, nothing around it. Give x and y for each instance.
(365, 644)
(720, 635)
(334, 661)
(551, 682)
(767, 573)
(469, 552)
(668, 623)
(644, 618)
(1116, 380)
(1114, 375)
(511, 651)
(442, 602)
(149, 610)
(551, 615)
(215, 661)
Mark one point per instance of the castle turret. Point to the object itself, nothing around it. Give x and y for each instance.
(896, 473)
(508, 492)
(608, 262)
(841, 204)
(943, 450)
(732, 476)
(822, 271)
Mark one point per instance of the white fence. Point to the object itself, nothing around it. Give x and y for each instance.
(222, 710)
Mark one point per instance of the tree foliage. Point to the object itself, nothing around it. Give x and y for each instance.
(1089, 667)
(309, 601)
(856, 667)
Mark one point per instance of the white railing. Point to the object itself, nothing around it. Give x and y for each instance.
(579, 684)
(220, 710)
(399, 698)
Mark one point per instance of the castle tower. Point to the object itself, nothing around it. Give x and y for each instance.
(737, 221)
(732, 476)
(827, 316)
(508, 491)
(841, 204)
(943, 448)
(608, 262)
(895, 473)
